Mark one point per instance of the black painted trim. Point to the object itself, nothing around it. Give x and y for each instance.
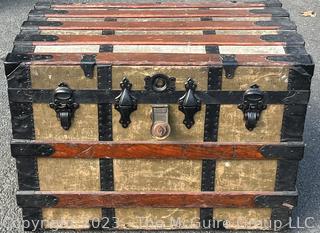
(286, 177)
(206, 97)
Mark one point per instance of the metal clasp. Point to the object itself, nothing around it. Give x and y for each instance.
(64, 105)
(160, 128)
(125, 103)
(252, 106)
(189, 103)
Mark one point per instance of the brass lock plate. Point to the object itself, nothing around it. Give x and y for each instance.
(160, 128)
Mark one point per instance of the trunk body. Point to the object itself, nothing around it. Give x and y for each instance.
(158, 116)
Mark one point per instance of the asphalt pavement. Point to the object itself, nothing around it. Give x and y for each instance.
(14, 12)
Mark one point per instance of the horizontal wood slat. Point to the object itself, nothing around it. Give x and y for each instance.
(158, 59)
(226, 4)
(159, 150)
(268, 12)
(156, 199)
(236, 40)
(175, 25)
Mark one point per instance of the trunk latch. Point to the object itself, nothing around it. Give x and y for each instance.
(252, 106)
(189, 103)
(64, 105)
(125, 103)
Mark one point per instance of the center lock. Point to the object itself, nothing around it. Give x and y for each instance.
(160, 128)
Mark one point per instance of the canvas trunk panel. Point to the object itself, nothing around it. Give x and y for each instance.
(158, 115)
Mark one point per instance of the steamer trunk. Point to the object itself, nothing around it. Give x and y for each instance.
(158, 115)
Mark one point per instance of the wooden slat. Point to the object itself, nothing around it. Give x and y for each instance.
(192, 25)
(155, 199)
(158, 59)
(226, 4)
(160, 13)
(159, 150)
(218, 40)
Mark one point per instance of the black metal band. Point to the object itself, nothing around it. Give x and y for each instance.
(27, 173)
(32, 219)
(206, 97)
(105, 109)
(104, 74)
(210, 49)
(18, 75)
(299, 78)
(210, 134)
(280, 218)
(22, 120)
(286, 177)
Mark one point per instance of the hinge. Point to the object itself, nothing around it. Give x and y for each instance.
(87, 64)
(230, 65)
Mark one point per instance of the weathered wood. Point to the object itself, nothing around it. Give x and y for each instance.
(159, 150)
(160, 13)
(155, 199)
(160, 59)
(147, 26)
(243, 40)
(168, 4)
